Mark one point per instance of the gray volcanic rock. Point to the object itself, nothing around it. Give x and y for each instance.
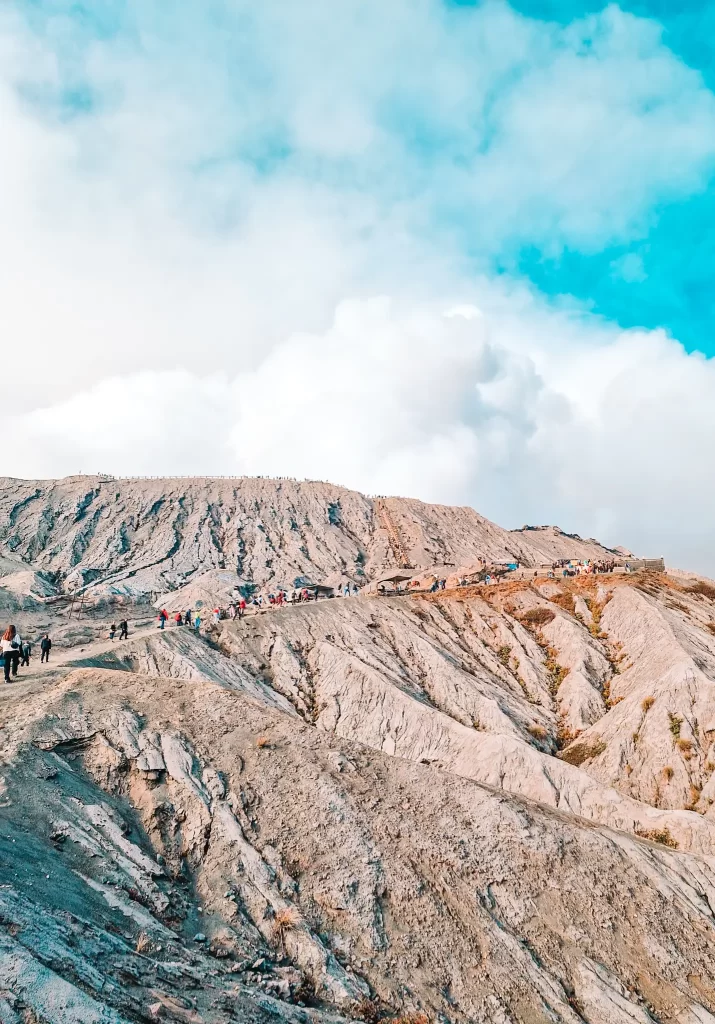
(487, 804)
(140, 537)
(290, 847)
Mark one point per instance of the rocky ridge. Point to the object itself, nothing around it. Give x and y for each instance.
(488, 804)
(142, 537)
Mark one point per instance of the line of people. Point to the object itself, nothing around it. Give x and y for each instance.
(237, 609)
(17, 652)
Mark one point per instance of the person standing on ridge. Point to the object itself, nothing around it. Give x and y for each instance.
(45, 646)
(163, 616)
(112, 631)
(179, 619)
(26, 652)
(123, 630)
(187, 618)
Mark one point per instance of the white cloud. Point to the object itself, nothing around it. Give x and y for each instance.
(606, 438)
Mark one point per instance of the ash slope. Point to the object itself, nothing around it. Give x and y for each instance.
(149, 536)
(139, 812)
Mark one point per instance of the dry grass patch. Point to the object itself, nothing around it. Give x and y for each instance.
(658, 835)
(537, 731)
(668, 773)
(703, 589)
(565, 601)
(263, 742)
(582, 750)
(503, 654)
(685, 747)
(537, 616)
(647, 703)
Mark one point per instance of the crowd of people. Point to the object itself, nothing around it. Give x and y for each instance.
(575, 567)
(17, 652)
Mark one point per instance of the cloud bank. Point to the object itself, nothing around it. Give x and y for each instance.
(199, 221)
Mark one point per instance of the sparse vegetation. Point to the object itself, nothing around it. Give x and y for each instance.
(668, 773)
(695, 791)
(537, 616)
(675, 724)
(143, 943)
(685, 747)
(262, 742)
(565, 601)
(538, 732)
(703, 589)
(582, 750)
(283, 922)
(503, 654)
(657, 835)
(647, 703)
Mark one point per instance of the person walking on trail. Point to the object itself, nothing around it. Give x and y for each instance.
(26, 652)
(346, 590)
(163, 616)
(242, 607)
(123, 630)
(197, 622)
(112, 631)
(179, 619)
(187, 618)
(10, 651)
(45, 647)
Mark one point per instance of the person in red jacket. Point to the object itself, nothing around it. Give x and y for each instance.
(163, 616)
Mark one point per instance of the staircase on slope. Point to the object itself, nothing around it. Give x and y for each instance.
(399, 552)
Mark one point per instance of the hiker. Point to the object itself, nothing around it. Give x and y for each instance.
(163, 616)
(187, 618)
(197, 622)
(179, 619)
(355, 590)
(26, 652)
(242, 607)
(124, 630)
(10, 651)
(217, 614)
(346, 590)
(45, 646)
(112, 631)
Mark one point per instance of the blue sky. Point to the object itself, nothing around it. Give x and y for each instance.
(211, 218)
(655, 274)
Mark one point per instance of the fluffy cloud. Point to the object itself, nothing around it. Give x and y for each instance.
(469, 407)
(185, 208)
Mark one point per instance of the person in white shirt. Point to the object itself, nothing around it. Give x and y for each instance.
(11, 646)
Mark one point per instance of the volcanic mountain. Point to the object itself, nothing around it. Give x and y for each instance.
(488, 803)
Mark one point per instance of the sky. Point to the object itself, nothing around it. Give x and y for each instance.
(459, 251)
